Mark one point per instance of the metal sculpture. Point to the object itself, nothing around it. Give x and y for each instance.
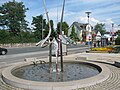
(45, 41)
(48, 41)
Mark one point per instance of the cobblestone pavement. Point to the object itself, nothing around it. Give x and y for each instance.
(111, 83)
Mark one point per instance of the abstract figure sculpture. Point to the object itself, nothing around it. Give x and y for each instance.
(48, 41)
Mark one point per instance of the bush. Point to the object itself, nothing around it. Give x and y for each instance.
(117, 41)
(102, 49)
(22, 37)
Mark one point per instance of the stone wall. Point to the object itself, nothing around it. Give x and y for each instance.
(15, 45)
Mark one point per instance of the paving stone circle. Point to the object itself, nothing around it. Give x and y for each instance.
(112, 83)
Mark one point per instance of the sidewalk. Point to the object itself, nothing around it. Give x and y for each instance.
(111, 83)
(108, 57)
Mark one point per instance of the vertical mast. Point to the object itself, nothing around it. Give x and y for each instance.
(61, 34)
(48, 36)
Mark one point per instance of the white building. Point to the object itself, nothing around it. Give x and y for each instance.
(98, 36)
(80, 30)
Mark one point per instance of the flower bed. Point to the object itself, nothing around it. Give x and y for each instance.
(108, 49)
(102, 49)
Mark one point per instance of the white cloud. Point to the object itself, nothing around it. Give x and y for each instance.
(103, 11)
(92, 21)
(108, 24)
(109, 21)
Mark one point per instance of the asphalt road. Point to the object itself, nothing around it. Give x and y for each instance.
(35, 49)
(19, 54)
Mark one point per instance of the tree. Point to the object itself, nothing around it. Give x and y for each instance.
(101, 28)
(65, 27)
(52, 29)
(118, 32)
(117, 41)
(39, 24)
(73, 35)
(12, 16)
(4, 36)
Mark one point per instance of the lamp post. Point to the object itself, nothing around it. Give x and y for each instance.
(112, 28)
(112, 33)
(88, 15)
(88, 28)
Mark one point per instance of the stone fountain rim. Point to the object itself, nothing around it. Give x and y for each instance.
(27, 84)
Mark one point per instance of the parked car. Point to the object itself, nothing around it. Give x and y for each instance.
(3, 51)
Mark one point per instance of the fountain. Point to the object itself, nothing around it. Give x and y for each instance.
(55, 74)
(76, 74)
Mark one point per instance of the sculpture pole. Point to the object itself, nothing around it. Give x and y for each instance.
(61, 55)
(49, 41)
(50, 44)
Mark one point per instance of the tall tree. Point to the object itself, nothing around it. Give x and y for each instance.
(52, 29)
(65, 27)
(101, 28)
(73, 35)
(12, 16)
(118, 32)
(39, 25)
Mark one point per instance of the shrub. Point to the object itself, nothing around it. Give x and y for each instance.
(102, 49)
(117, 41)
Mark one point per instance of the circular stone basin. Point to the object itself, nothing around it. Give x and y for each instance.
(41, 72)
(77, 74)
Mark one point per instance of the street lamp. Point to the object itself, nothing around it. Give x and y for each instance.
(88, 28)
(112, 33)
(88, 15)
(112, 29)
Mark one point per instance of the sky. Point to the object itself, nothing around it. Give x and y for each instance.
(102, 11)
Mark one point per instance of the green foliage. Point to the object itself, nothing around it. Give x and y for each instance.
(4, 36)
(100, 28)
(73, 35)
(52, 29)
(84, 36)
(39, 24)
(118, 32)
(65, 27)
(12, 16)
(22, 37)
(14, 27)
(117, 41)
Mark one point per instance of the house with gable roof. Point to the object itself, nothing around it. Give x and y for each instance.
(80, 30)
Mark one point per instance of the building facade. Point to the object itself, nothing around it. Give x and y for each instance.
(80, 30)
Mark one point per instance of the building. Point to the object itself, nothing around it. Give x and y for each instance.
(98, 36)
(80, 30)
